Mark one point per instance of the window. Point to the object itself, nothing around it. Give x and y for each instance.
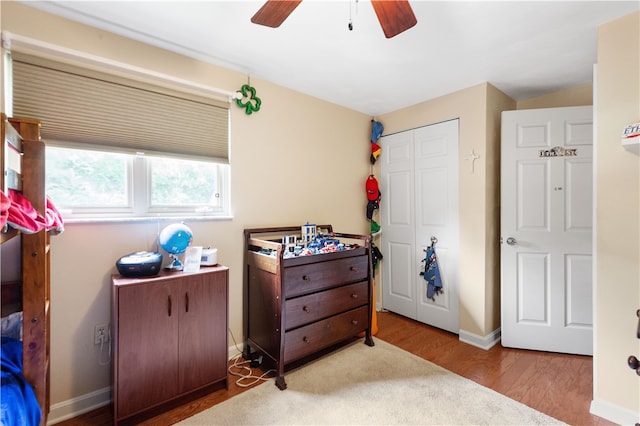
(97, 125)
(90, 183)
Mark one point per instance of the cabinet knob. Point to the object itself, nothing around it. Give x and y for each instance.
(354, 295)
(306, 308)
(354, 322)
(353, 269)
(634, 363)
(306, 277)
(305, 339)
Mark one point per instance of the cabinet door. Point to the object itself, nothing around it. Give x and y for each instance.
(147, 342)
(203, 330)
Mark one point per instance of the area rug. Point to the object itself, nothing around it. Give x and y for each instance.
(362, 385)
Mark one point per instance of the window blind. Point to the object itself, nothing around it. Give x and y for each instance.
(81, 105)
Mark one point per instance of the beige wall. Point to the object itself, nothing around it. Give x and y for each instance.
(574, 96)
(617, 218)
(298, 159)
(478, 109)
(496, 103)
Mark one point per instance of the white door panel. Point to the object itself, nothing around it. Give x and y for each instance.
(533, 288)
(579, 296)
(398, 194)
(579, 197)
(400, 289)
(533, 196)
(546, 226)
(432, 184)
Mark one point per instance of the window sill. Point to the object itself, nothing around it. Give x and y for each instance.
(145, 219)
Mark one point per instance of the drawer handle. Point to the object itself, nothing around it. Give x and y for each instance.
(306, 277)
(354, 295)
(354, 322)
(305, 339)
(306, 308)
(353, 269)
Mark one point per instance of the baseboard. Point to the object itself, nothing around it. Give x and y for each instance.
(482, 342)
(66, 410)
(82, 404)
(613, 413)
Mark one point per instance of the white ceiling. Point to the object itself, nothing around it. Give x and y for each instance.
(524, 48)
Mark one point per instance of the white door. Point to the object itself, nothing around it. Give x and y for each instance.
(419, 186)
(546, 229)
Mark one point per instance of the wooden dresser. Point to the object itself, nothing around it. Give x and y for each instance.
(169, 337)
(296, 306)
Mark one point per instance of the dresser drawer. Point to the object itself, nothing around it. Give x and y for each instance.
(313, 307)
(299, 280)
(314, 337)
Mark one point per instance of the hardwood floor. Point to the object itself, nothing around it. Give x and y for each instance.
(559, 385)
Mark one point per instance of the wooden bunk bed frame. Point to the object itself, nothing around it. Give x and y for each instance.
(24, 170)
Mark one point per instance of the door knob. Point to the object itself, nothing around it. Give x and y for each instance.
(511, 241)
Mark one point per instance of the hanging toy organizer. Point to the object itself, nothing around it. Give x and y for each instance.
(373, 205)
(373, 191)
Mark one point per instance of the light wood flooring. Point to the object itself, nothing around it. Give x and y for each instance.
(559, 385)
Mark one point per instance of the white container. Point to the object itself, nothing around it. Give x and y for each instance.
(191, 258)
(209, 256)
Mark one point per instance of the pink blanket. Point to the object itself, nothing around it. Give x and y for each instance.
(17, 211)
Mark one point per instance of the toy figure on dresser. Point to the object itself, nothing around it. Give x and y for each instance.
(309, 244)
(308, 232)
(321, 243)
(289, 242)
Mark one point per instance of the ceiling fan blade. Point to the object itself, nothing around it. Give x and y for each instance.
(274, 12)
(395, 16)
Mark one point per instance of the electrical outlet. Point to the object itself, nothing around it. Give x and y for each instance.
(101, 334)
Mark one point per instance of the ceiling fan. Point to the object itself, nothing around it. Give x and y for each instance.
(395, 16)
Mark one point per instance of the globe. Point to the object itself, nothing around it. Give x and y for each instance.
(174, 239)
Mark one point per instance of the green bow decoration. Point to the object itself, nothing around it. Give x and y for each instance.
(253, 102)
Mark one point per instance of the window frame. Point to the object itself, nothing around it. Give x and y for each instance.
(138, 188)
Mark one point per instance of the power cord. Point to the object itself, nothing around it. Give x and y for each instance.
(105, 340)
(244, 370)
